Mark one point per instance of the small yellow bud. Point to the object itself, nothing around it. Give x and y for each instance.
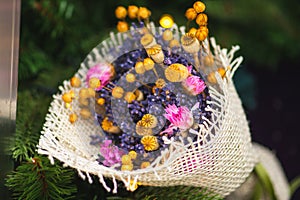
(94, 83)
(190, 14)
(122, 26)
(132, 154)
(127, 167)
(120, 12)
(133, 11)
(202, 33)
(67, 97)
(199, 6)
(126, 160)
(139, 67)
(193, 31)
(73, 118)
(201, 19)
(117, 92)
(143, 13)
(129, 97)
(75, 82)
(101, 101)
(148, 63)
(145, 165)
(130, 78)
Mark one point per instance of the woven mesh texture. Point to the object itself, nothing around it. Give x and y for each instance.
(220, 159)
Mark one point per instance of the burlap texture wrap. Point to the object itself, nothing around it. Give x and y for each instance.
(220, 159)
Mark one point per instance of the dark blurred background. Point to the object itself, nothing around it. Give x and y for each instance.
(56, 35)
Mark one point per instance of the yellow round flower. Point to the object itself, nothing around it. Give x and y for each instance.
(160, 83)
(133, 11)
(139, 67)
(117, 92)
(120, 12)
(122, 26)
(126, 160)
(150, 143)
(67, 97)
(127, 167)
(201, 19)
(75, 82)
(202, 33)
(148, 64)
(132, 154)
(130, 78)
(193, 31)
(101, 101)
(143, 13)
(94, 83)
(199, 6)
(129, 97)
(149, 121)
(106, 124)
(190, 14)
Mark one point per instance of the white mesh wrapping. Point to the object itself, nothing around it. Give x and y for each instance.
(220, 160)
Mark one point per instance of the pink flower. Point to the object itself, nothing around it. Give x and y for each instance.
(101, 71)
(180, 117)
(112, 154)
(194, 85)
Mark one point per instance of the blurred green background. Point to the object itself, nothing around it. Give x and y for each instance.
(56, 35)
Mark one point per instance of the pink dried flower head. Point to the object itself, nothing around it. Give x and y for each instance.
(180, 117)
(112, 154)
(103, 72)
(194, 85)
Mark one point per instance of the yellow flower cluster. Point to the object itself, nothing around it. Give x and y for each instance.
(133, 12)
(201, 19)
(127, 161)
(82, 96)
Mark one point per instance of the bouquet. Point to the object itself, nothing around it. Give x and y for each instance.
(153, 106)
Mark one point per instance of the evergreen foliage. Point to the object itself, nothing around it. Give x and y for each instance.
(38, 179)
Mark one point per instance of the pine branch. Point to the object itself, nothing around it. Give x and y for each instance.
(37, 179)
(30, 116)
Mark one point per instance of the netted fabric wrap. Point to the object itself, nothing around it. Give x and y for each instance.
(220, 159)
